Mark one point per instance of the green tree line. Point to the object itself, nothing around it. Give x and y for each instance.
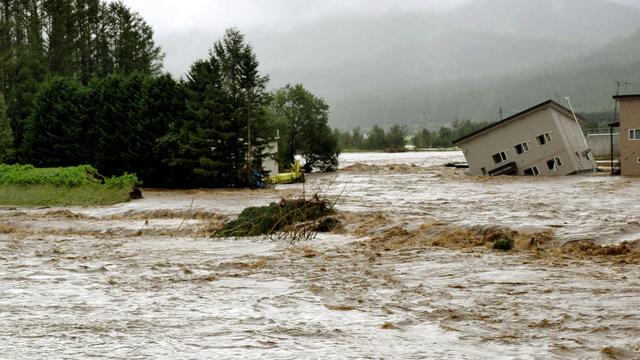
(376, 139)
(396, 137)
(83, 85)
(82, 39)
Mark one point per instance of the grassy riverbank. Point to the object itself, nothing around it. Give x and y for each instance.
(25, 185)
(51, 195)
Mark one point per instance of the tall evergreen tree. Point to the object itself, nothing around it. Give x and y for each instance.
(117, 101)
(6, 136)
(76, 38)
(223, 137)
(61, 34)
(245, 89)
(57, 130)
(86, 24)
(163, 109)
(131, 41)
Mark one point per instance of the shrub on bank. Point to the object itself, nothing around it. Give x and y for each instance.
(62, 176)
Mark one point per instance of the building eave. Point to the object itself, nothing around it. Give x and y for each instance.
(627, 97)
(516, 117)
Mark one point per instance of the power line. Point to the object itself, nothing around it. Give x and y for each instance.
(553, 85)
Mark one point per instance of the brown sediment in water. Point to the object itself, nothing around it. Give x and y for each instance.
(614, 353)
(383, 235)
(627, 252)
(360, 224)
(66, 223)
(390, 168)
(66, 214)
(340, 307)
(7, 229)
(168, 214)
(437, 234)
(388, 326)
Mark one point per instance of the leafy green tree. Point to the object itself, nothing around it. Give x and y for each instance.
(6, 135)
(445, 137)
(396, 137)
(357, 138)
(377, 139)
(322, 150)
(423, 139)
(305, 131)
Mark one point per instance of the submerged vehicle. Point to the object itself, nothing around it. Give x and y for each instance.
(294, 176)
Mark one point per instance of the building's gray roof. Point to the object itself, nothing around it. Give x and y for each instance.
(518, 116)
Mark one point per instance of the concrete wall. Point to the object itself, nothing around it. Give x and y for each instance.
(629, 149)
(564, 144)
(601, 145)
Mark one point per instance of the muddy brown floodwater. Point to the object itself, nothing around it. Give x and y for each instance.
(410, 275)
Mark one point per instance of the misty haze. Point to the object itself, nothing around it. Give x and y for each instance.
(319, 179)
(414, 64)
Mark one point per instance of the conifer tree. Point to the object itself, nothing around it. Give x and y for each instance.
(6, 136)
(57, 130)
(224, 133)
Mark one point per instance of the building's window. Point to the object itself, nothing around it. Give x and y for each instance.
(484, 171)
(522, 148)
(532, 171)
(634, 134)
(499, 157)
(554, 163)
(544, 138)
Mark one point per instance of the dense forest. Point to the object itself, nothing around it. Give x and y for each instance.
(398, 136)
(82, 84)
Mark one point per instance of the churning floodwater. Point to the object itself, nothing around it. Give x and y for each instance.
(143, 280)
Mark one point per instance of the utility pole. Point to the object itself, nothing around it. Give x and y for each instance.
(249, 157)
(615, 107)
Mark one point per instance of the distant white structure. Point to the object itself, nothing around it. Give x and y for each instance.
(543, 140)
(270, 161)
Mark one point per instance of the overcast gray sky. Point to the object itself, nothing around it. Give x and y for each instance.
(170, 15)
(186, 29)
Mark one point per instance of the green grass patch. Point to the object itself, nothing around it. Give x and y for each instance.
(267, 220)
(51, 195)
(25, 185)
